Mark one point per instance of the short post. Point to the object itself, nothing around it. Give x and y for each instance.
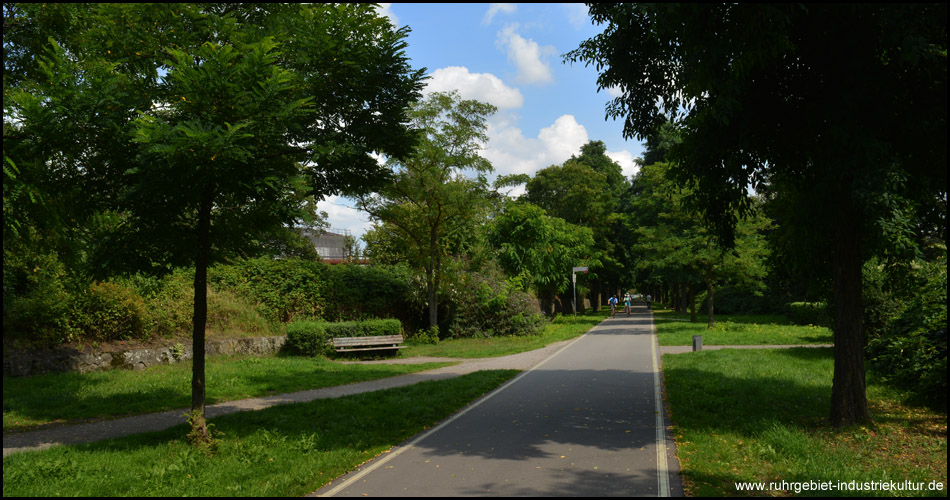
(697, 343)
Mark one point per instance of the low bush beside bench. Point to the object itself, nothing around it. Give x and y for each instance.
(313, 338)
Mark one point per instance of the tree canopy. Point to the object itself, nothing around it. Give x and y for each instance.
(200, 129)
(433, 204)
(840, 97)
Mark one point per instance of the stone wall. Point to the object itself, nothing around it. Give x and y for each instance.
(18, 364)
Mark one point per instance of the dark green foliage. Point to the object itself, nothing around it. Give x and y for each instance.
(37, 307)
(808, 313)
(888, 289)
(425, 336)
(487, 305)
(286, 289)
(741, 300)
(282, 289)
(358, 292)
(110, 311)
(368, 328)
(308, 338)
(911, 352)
(169, 301)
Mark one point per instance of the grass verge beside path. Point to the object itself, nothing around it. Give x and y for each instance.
(561, 328)
(29, 402)
(675, 329)
(761, 416)
(290, 450)
(70, 397)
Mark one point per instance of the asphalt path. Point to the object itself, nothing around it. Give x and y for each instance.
(583, 422)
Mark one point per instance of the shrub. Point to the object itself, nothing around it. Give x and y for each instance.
(308, 338)
(738, 300)
(358, 292)
(170, 303)
(425, 336)
(369, 328)
(231, 316)
(911, 351)
(38, 308)
(282, 289)
(886, 291)
(110, 311)
(808, 313)
(486, 305)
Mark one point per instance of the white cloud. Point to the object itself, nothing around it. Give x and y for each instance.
(564, 138)
(384, 9)
(614, 91)
(628, 164)
(527, 56)
(512, 153)
(507, 8)
(342, 215)
(483, 87)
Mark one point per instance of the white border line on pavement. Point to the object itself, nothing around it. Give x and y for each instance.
(663, 478)
(390, 456)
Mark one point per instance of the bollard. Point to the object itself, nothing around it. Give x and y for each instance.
(697, 343)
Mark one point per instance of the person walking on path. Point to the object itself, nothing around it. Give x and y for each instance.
(649, 300)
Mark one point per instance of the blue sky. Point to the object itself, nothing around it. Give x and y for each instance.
(509, 55)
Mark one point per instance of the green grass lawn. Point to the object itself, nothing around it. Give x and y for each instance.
(289, 450)
(70, 397)
(675, 329)
(29, 402)
(761, 416)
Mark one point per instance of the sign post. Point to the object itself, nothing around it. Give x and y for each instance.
(574, 282)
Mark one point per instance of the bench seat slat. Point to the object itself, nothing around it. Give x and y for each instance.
(349, 349)
(346, 344)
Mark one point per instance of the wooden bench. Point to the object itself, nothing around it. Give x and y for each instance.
(380, 342)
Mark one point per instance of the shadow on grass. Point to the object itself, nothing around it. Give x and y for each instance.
(67, 396)
(717, 392)
(359, 421)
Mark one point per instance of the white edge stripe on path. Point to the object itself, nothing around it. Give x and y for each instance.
(663, 479)
(390, 456)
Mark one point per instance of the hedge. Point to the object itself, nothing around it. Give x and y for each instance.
(808, 313)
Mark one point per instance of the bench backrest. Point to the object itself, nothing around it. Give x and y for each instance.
(355, 341)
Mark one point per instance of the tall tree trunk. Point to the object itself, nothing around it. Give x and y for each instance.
(684, 297)
(202, 259)
(692, 303)
(849, 404)
(710, 296)
(431, 284)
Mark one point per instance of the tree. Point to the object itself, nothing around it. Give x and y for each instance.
(675, 246)
(542, 248)
(432, 205)
(806, 102)
(585, 191)
(259, 108)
